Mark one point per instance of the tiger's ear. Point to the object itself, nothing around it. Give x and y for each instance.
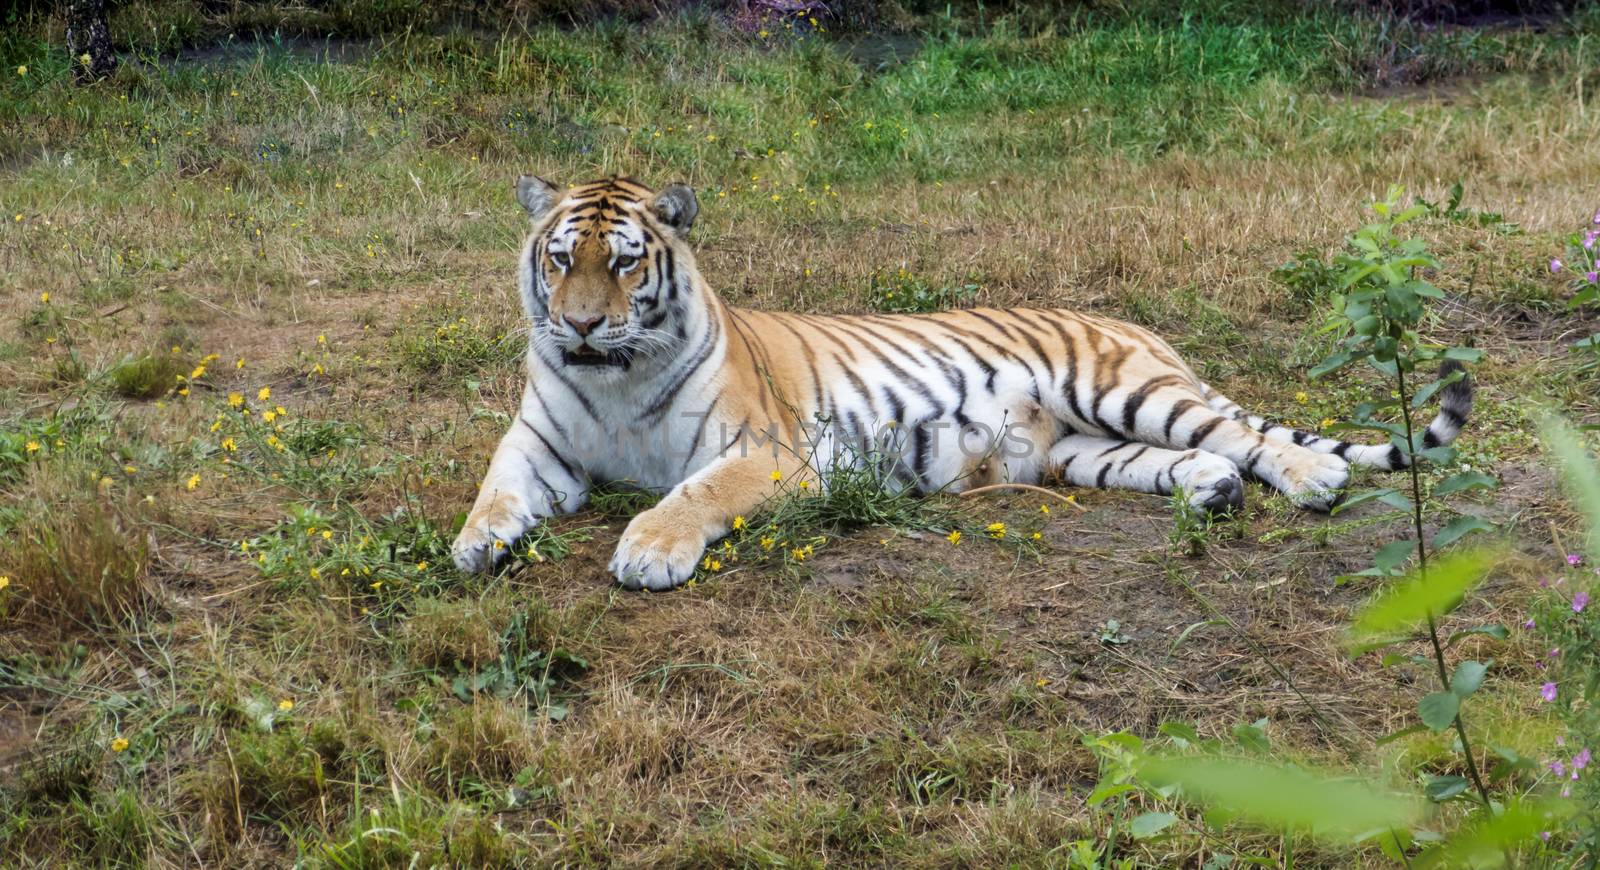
(536, 195)
(677, 207)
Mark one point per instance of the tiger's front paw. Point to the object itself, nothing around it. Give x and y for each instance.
(656, 552)
(488, 534)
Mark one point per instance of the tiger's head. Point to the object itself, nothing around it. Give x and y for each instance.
(606, 274)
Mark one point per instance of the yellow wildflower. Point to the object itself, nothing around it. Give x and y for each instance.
(22, 70)
(1301, 397)
(1036, 536)
(327, 534)
(194, 481)
(776, 475)
(230, 445)
(285, 705)
(235, 400)
(239, 364)
(4, 581)
(32, 447)
(422, 566)
(768, 542)
(264, 394)
(269, 416)
(119, 744)
(954, 537)
(1044, 509)
(996, 531)
(738, 523)
(45, 297)
(199, 371)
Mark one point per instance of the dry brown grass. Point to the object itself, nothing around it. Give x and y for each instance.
(906, 703)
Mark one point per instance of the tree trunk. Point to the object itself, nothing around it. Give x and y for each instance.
(89, 41)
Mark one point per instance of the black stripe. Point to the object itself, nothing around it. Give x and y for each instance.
(1204, 429)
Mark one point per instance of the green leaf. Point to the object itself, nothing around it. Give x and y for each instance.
(1182, 733)
(1105, 792)
(1335, 362)
(1150, 824)
(1467, 678)
(1394, 499)
(1458, 528)
(1442, 788)
(1253, 737)
(1464, 481)
(1426, 393)
(1462, 354)
(1362, 497)
(1484, 840)
(1439, 709)
(1444, 454)
(1283, 797)
(1498, 632)
(1579, 473)
(1393, 554)
(1408, 603)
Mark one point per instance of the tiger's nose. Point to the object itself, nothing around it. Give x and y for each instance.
(583, 325)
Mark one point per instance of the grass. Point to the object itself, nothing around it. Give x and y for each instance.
(341, 236)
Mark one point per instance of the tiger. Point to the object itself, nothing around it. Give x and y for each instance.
(638, 372)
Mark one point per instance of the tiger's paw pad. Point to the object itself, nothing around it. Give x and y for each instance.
(655, 555)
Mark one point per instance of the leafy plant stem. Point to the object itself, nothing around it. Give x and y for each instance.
(1422, 570)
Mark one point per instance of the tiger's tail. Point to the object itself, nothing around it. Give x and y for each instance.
(1455, 406)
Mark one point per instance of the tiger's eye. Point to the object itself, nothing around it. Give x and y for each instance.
(561, 259)
(624, 262)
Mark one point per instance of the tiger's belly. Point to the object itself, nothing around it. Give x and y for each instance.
(997, 432)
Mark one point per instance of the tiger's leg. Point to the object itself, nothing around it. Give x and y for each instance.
(1309, 478)
(660, 547)
(1209, 481)
(526, 482)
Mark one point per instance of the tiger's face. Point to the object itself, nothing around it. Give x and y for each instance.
(600, 271)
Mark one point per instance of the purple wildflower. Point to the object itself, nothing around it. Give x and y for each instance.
(1557, 768)
(1555, 266)
(1566, 791)
(1529, 623)
(1574, 560)
(1592, 277)
(1597, 217)
(1554, 651)
(1579, 602)
(1545, 836)
(1589, 238)
(1581, 760)
(1548, 691)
